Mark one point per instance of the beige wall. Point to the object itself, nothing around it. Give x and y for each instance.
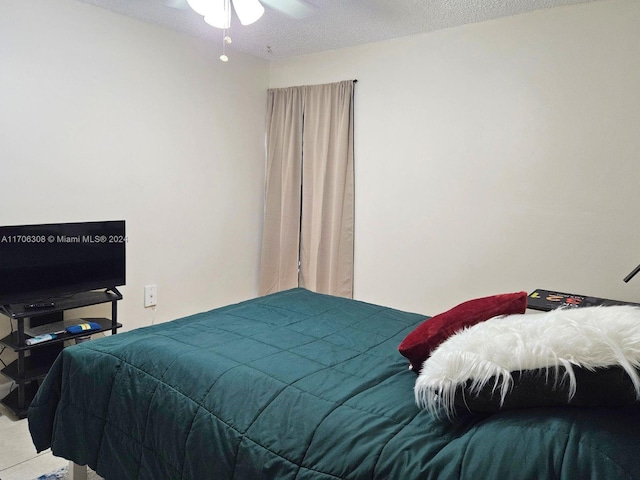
(495, 157)
(105, 117)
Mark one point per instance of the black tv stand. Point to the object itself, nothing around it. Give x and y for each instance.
(29, 370)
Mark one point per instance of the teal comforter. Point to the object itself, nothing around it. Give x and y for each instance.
(298, 385)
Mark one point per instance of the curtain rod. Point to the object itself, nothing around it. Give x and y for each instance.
(632, 274)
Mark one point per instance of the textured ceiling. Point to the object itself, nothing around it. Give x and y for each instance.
(334, 23)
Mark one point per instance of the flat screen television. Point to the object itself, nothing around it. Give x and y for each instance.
(41, 262)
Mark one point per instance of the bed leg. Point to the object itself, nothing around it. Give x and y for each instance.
(77, 472)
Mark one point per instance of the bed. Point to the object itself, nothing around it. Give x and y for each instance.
(299, 385)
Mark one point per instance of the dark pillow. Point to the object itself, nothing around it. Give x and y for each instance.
(602, 387)
(418, 345)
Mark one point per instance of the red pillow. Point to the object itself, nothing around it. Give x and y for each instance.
(418, 345)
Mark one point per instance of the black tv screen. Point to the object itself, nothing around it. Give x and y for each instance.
(40, 262)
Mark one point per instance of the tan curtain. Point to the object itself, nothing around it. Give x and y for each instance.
(324, 186)
(326, 250)
(281, 230)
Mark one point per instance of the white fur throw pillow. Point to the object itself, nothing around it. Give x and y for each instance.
(557, 341)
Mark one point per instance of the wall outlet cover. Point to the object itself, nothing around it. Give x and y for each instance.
(150, 296)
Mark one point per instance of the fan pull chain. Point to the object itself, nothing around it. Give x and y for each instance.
(225, 39)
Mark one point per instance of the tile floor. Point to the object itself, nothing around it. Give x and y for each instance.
(18, 457)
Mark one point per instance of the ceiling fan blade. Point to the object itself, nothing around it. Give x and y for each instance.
(292, 8)
(248, 11)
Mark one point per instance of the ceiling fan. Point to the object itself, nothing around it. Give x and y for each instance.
(217, 13)
(245, 8)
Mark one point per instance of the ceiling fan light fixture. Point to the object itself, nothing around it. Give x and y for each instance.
(248, 11)
(218, 14)
(217, 22)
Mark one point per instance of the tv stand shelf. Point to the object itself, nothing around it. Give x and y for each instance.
(82, 299)
(29, 370)
(12, 341)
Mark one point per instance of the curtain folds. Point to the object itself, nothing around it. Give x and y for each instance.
(281, 230)
(309, 196)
